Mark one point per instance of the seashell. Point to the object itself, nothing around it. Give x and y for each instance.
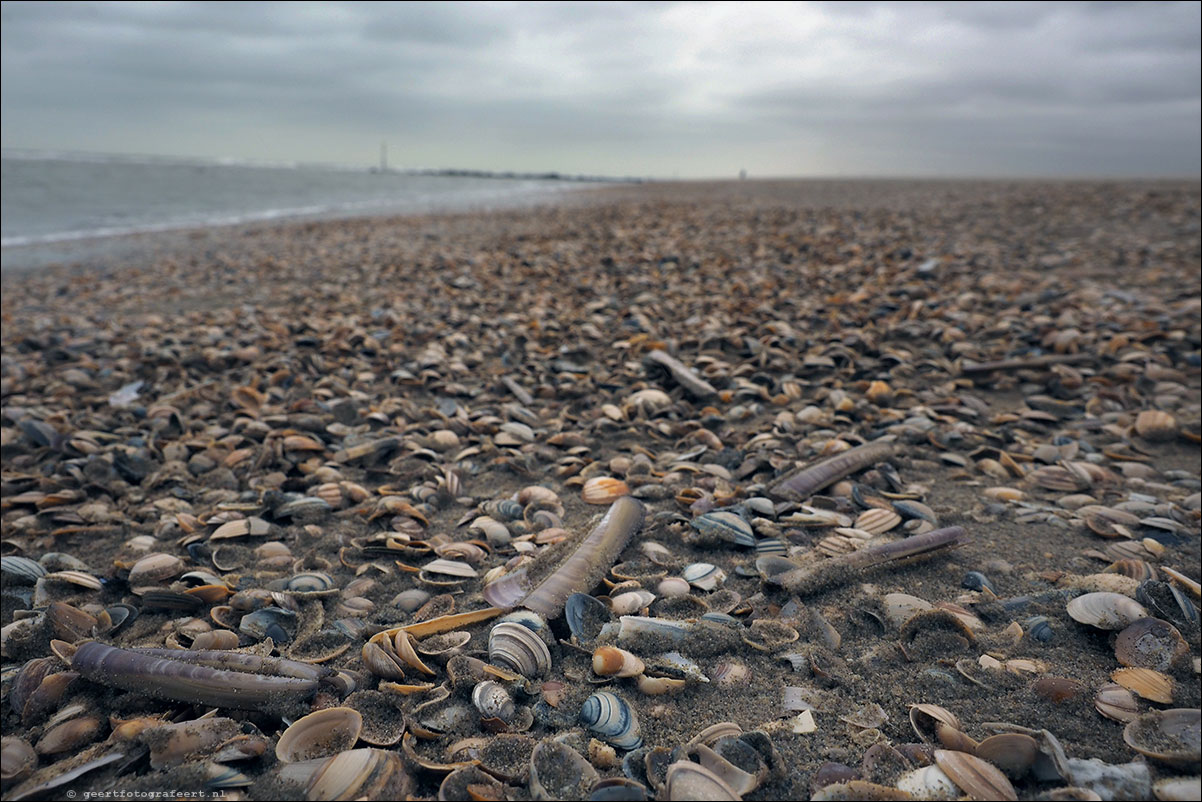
(927, 782)
(740, 781)
(675, 664)
(610, 718)
(383, 722)
(631, 602)
(245, 527)
(686, 780)
(1039, 629)
(877, 521)
(618, 789)
(1012, 752)
(1150, 643)
(1057, 689)
(655, 686)
(514, 646)
(493, 701)
(901, 607)
(507, 756)
(215, 639)
(269, 622)
(68, 736)
(381, 662)
(768, 635)
(1178, 789)
(17, 758)
(647, 402)
(21, 570)
(444, 645)
(925, 718)
(410, 600)
(360, 774)
(1106, 610)
(1116, 703)
(703, 576)
(558, 771)
(603, 490)
(723, 526)
(1167, 602)
(154, 568)
(583, 568)
(217, 679)
(310, 582)
(1170, 736)
(173, 744)
(453, 568)
(1146, 683)
(319, 735)
(1155, 425)
(978, 779)
(975, 580)
(503, 510)
(455, 786)
(673, 587)
(69, 623)
(610, 661)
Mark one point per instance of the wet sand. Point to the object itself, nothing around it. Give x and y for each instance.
(794, 300)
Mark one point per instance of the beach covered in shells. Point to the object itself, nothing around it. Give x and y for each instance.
(758, 490)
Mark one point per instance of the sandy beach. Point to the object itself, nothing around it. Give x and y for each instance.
(364, 391)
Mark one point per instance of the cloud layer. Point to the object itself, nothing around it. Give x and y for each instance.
(661, 89)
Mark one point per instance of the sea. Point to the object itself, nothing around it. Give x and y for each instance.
(64, 206)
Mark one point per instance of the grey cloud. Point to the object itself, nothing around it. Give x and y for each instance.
(1061, 87)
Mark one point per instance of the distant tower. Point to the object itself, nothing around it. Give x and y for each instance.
(742, 175)
(383, 157)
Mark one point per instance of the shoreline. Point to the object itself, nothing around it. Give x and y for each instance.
(406, 375)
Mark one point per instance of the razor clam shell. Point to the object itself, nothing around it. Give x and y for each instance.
(583, 568)
(189, 682)
(801, 484)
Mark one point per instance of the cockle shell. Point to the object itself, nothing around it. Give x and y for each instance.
(320, 734)
(1106, 610)
(603, 490)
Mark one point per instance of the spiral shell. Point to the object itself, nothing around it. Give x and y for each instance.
(493, 700)
(512, 645)
(608, 717)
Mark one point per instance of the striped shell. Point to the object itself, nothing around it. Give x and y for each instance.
(512, 645)
(726, 526)
(609, 717)
(704, 576)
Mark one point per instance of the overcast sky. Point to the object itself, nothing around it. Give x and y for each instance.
(658, 89)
